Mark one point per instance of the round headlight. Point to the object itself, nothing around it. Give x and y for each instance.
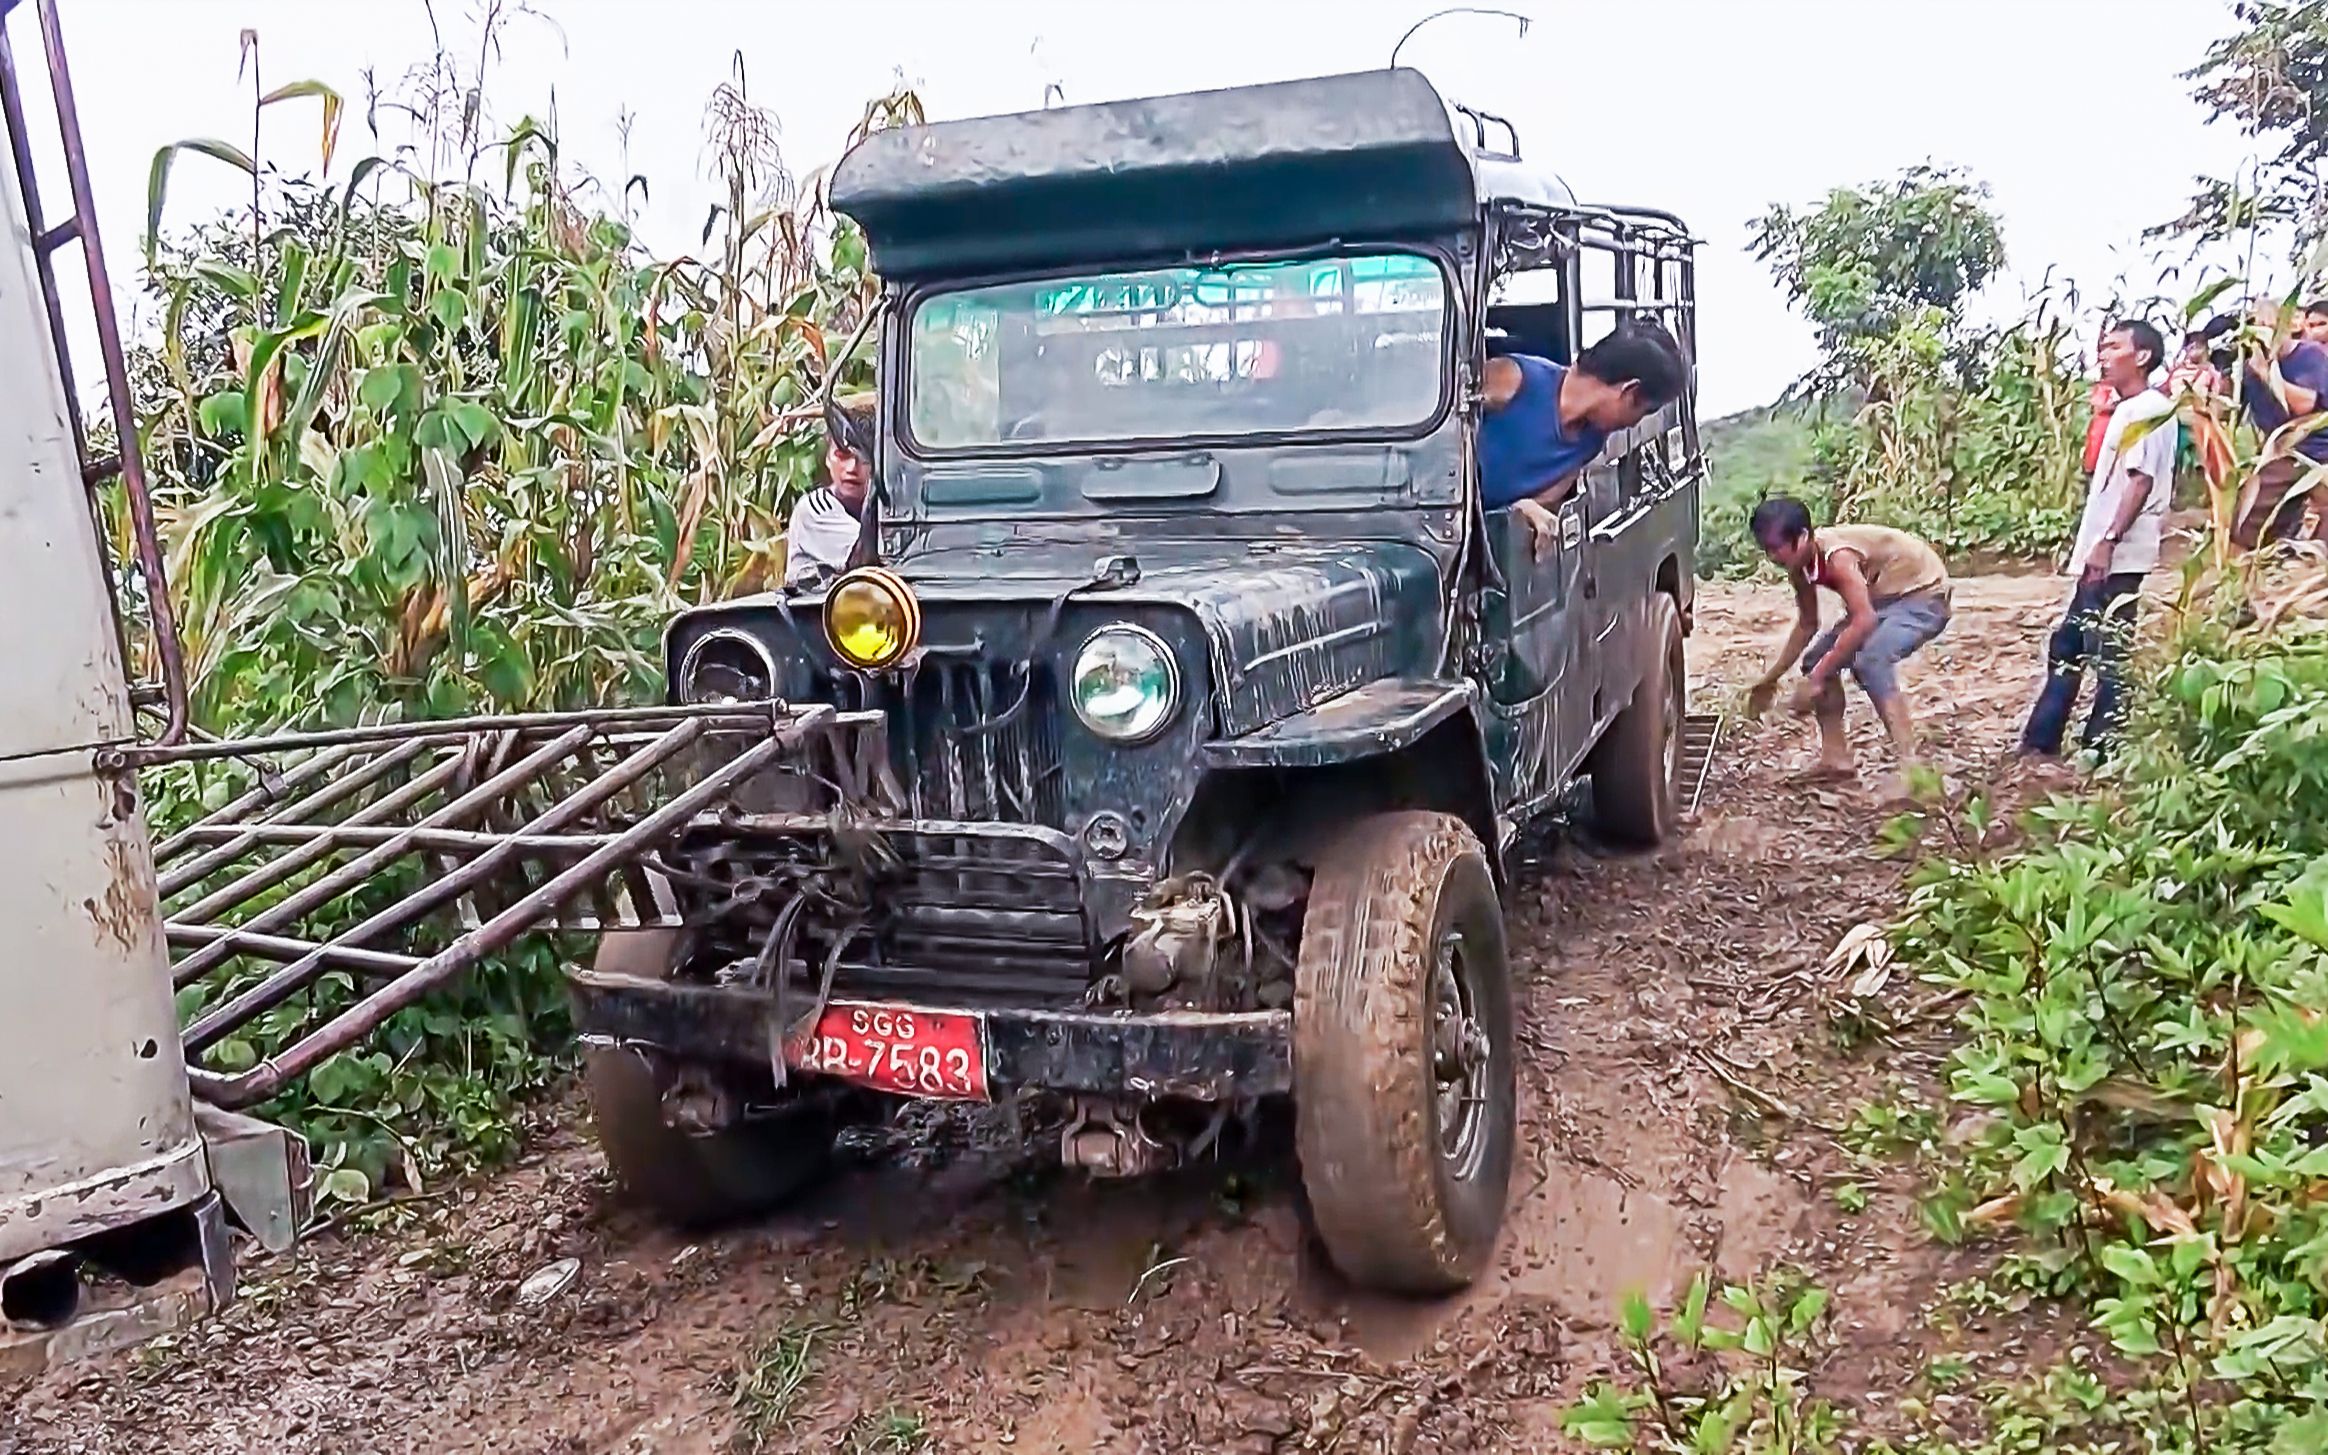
(1126, 684)
(726, 666)
(872, 619)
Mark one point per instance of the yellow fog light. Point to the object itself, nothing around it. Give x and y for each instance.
(872, 619)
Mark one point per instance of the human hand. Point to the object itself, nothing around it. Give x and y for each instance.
(1805, 697)
(1543, 530)
(2097, 562)
(1759, 697)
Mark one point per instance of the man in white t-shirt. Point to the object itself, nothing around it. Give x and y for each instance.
(2117, 545)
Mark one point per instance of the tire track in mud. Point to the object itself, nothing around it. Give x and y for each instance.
(949, 1293)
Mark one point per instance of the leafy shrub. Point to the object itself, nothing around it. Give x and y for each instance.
(2146, 1048)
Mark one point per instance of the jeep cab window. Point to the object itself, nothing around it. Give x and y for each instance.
(1352, 342)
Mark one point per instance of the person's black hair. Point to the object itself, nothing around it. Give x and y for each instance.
(1779, 519)
(851, 427)
(2318, 307)
(1640, 353)
(2144, 338)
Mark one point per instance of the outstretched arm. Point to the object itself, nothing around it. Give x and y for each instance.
(1805, 627)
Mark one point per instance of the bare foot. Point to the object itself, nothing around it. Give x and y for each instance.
(1825, 773)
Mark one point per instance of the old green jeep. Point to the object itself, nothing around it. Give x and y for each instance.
(1167, 766)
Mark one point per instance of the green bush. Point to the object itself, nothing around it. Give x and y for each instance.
(2146, 1051)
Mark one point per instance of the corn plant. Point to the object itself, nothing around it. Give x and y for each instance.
(431, 443)
(436, 434)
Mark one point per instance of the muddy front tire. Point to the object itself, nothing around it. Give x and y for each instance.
(690, 1179)
(1636, 766)
(1404, 1101)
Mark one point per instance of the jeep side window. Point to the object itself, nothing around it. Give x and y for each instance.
(1529, 314)
(1629, 272)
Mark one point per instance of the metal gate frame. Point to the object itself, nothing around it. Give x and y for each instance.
(517, 824)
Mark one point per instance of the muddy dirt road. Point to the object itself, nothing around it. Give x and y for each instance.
(1679, 1089)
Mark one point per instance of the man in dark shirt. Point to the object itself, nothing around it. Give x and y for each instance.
(1543, 423)
(2289, 384)
(2315, 321)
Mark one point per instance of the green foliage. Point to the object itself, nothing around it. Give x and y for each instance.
(453, 452)
(2269, 79)
(1970, 439)
(1753, 1401)
(2147, 982)
(1980, 451)
(891, 1432)
(770, 1382)
(1752, 455)
(423, 444)
(1872, 261)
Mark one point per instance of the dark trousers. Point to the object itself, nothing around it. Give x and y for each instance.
(2097, 630)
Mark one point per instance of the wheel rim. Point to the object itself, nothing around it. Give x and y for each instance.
(1459, 1058)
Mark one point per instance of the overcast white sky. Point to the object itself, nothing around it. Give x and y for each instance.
(2073, 110)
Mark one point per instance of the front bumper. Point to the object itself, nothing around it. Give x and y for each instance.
(1180, 1055)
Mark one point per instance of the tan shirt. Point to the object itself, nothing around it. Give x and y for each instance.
(1895, 563)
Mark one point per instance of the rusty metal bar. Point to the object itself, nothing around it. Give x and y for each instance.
(289, 980)
(283, 950)
(724, 717)
(145, 534)
(275, 871)
(269, 789)
(358, 1021)
(240, 839)
(357, 870)
(28, 183)
(347, 836)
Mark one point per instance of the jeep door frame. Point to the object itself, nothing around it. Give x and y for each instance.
(1562, 654)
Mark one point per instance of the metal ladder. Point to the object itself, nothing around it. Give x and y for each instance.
(47, 240)
(1701, 733)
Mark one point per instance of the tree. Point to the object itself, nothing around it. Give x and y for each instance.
(2270, 79)
(1872, 260)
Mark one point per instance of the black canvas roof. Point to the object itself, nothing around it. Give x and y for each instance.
(1290, 163)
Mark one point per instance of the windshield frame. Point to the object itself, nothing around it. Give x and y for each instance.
(1454, 310)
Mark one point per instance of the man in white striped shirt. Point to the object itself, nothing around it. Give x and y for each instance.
(826, 521)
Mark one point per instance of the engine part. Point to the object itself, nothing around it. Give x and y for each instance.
(1106, 1139)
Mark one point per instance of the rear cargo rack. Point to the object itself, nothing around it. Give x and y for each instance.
(347, 849)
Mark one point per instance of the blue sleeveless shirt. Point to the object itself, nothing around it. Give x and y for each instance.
(1522, 449)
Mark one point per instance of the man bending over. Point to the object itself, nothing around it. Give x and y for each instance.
(1895, 593)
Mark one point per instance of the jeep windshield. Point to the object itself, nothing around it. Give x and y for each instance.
(1354, 344)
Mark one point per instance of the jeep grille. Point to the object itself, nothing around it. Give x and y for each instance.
(975, 742)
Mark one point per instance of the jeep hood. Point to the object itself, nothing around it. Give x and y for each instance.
(1290, 625)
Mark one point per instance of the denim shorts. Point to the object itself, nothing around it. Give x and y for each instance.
(1901, 626)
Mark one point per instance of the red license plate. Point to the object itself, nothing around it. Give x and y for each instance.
(938, 1055)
